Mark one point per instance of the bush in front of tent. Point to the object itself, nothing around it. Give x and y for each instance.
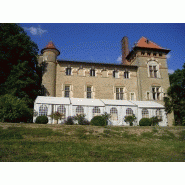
(42, 120)
(69, 121)
(98, 121)
(145, 122)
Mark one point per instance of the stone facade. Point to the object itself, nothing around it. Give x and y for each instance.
(143, 76)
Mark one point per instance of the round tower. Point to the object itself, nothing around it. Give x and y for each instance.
(50, 54)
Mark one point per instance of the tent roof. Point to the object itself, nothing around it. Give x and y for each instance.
(52, 100)
(95, 102)
(87, 102)
(147, 104)
(117, 102)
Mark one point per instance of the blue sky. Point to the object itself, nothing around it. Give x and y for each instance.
(101, 42)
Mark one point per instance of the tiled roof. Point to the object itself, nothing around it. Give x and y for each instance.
(50, 45)
(145, 43)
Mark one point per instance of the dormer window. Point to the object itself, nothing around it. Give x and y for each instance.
(68, 71)
(142, 53)
(154, 54)
(147, 41)
(126, 74)
(115, 74)
(92, 72)
(148, 53)
(160, 54)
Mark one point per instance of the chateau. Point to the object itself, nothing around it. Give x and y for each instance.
(136, 86)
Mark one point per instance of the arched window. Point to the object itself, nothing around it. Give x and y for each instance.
(114, 114)
(159, 114)
(62, 110)
(96, 111)
(43, 110)
(145, 113)
(129, 112)
(79, 110)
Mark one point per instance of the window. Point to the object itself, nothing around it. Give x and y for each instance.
(43, 110)
(145, 113)
(147, 41)
(126, 74)
(154, 54)
(89, 92)
(115, 74)
(68, 71)
(153, 71)
(92, 72)
(132, 96)
(142, 53)
(67, 91)
(129, 112)
(159, 114)
(79, 110)
(114, 114)
(119, 93)
(156, 91)
(61, 109)
(96, 111)
(160, 54)
(148, 53)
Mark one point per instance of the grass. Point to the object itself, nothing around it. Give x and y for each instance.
(33, 142)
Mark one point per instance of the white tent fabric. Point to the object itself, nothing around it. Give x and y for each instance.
(52, 100)
(105, 105)
(117, 102)
(87, 102)
(147, 104)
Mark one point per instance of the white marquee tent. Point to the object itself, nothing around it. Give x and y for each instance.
(118, 109)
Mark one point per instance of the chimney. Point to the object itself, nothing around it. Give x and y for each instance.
(125, 50)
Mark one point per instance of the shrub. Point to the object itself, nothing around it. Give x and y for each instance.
(98, 121)
(41, 120)
(81, 119)
(130, 119)
(154, 120)
(145, 122)
(14, 109)
(106, 117)
(57, 116)
(69, 121)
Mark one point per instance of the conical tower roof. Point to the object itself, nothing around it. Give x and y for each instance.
(50, 46)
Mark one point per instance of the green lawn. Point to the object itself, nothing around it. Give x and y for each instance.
(33, 142)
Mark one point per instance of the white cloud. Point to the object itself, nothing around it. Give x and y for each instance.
(119, 58)
(171, 71)
(36, 30)
(168, 56)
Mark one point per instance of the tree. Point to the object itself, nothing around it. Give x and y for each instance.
(56, 116)
(130, 119)
(20, 74)
(176, 96)
(13, 109)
